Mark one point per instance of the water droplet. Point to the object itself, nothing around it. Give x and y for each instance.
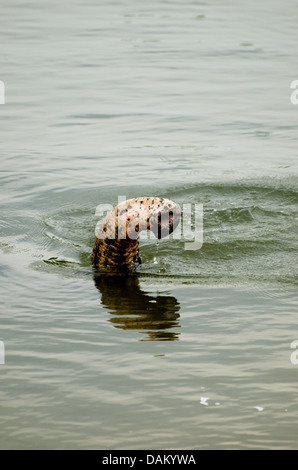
(259, 408)
(204, 401)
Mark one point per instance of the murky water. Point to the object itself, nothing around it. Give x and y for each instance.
(186, 100)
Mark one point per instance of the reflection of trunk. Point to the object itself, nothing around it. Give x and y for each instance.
(134, 309)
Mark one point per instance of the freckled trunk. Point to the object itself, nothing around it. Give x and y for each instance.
(112, 253)
(116, 244)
